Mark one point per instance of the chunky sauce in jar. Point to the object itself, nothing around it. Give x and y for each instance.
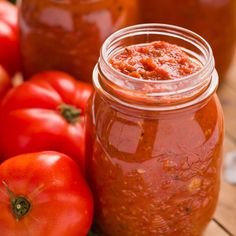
(153, 172)
(155, 61)
(67, 35)
(212, 19)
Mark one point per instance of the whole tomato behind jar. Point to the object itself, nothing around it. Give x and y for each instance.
(214, 20)
(9, 38)
(67, 35)
(45, 113)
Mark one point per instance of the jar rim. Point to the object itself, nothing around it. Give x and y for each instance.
(156, 92)
(172, 29)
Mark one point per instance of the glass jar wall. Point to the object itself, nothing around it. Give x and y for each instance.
(67, 35)
(154, 147)
(212, 19)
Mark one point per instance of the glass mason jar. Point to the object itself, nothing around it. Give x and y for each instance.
(212, 19)
(154, 148)
(67, 34)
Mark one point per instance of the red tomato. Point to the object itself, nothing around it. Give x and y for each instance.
(9, 40)
(45, 113)
(5, 82)
(44, 194)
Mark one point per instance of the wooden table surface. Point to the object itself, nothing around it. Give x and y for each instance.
(224, 222)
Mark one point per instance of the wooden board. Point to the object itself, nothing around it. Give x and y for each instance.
(231, 76)
(215, 230)
(227, 96)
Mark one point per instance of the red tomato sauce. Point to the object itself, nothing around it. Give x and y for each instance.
(155, 61)
(154, 173)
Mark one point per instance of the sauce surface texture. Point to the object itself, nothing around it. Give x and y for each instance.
(155, 61)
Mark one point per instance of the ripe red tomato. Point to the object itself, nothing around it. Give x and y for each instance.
(5, 82)
(9, 40)
(45, 113)
(44, 194)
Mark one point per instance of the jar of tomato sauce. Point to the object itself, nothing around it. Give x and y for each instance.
(212, 19)
(67, 34)
(154, 133)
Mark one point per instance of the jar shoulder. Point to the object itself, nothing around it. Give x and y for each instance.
(198, 132)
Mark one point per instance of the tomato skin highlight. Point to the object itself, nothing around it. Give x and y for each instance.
(31, 119)
(5, 83)
(61, 202)
(9, 38)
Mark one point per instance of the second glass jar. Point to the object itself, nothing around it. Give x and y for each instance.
(67, 35)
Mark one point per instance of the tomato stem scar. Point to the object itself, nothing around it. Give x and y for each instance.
(70, 113)
(20, 206)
